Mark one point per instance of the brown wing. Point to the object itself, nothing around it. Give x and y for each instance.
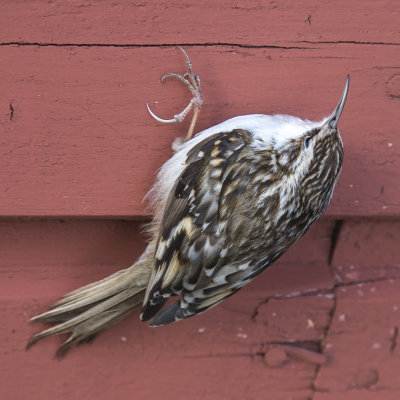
(189, 246)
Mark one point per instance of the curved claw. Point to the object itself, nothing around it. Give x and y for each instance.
(188, 63)
(164, 121)
(171, 75)
(180, 78)
(192, 82)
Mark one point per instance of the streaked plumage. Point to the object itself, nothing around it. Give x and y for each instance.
(226, 205)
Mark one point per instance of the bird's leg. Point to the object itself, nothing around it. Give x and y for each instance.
(192, 82)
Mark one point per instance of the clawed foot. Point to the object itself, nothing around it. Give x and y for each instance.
(192, 82)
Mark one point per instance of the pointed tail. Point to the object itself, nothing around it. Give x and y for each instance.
(90, 310)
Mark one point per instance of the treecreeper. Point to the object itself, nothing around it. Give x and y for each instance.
(226, 205)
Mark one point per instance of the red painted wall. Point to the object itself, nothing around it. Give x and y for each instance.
(78, 151)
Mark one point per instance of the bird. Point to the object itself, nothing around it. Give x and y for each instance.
(227, 204)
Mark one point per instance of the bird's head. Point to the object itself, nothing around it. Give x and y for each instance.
(312, 150)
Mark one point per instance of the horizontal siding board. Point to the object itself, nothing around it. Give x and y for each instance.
(245, 22)
(80, 141)
(43, 259)
(229, 351)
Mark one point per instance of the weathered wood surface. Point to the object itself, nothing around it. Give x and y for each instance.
(240, 349)
(76, 141)
(80, 141)
(245, 22)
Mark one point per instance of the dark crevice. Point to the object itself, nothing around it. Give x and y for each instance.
(364, 281)
(314, 380)
(323, 340)
(311, 345)
(393, 339)
(248, 46)
(316, 292)
(350, 42)
(129, 45)
(308, 293)
(11, 112)
(329, 324)
(307, 345)
(334, 239)
(254, 314)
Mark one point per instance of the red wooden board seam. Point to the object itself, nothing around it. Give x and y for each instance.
(45, 131)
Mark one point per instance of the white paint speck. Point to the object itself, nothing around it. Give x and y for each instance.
(352, 276)
(351, 186)
(310, 324)
(376, 346)
(338, 278)
(373, 289)
(390, 144)
(274, 314)
(242, 335)
(342, 317)
(201, 330)
(124, 339)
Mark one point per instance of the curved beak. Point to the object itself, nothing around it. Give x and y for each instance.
(333, 119)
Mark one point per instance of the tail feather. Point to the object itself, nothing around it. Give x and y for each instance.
(92, 309)
(81, 299)
(89, 293)
(96, 313)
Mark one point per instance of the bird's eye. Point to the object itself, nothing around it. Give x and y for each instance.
(307, 140)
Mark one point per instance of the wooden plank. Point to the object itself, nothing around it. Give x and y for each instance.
(233, 347)
(80, 141)
(49, 257)
(249, 22)
(227, 348)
